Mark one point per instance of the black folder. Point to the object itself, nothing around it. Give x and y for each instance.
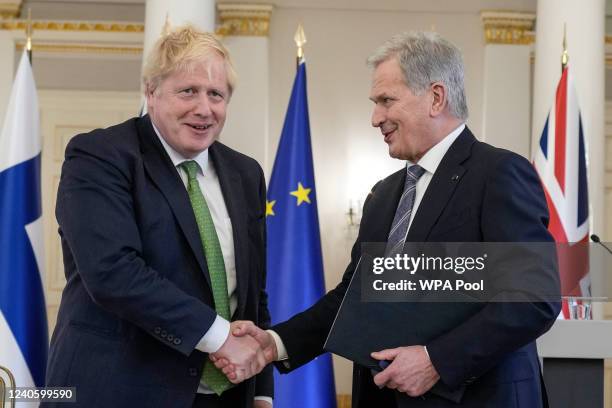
(361, 328)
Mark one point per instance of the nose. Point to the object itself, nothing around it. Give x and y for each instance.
(378, 117)
(202, 107)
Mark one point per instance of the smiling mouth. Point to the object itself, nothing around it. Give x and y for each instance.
(199, 127)
(387, 135)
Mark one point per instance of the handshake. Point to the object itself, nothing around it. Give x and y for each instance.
(247, 350)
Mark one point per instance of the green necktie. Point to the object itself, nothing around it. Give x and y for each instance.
(214, 378)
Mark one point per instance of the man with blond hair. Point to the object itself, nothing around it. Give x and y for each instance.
(163, 235)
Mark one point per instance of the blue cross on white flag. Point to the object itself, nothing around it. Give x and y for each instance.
(23, 319)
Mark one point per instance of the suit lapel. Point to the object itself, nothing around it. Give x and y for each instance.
(441, 187)
(163, 173)
(235, 201)
(384, 201)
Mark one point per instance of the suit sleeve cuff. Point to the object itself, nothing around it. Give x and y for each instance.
(280, 346)
(216, 335)
(267, 399)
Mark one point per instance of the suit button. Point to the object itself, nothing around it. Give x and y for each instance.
(177, 341)
(157, 330)
(164, 334)
(193, 372)
(170, 337)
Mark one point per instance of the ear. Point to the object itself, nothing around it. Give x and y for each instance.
(439, 100)
(148, 94)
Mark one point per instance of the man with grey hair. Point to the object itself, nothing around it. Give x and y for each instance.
(453, 189)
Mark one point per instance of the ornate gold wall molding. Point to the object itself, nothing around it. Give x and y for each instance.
(10, 8)
(52, 25)
(508, 27)
(244, 19)
(80, 49)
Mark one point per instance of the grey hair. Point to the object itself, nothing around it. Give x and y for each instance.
(424, 58)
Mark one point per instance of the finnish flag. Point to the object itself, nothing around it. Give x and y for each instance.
(23, 319)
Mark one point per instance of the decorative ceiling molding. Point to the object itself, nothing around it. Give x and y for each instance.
(54, 25)
(10, 8)
(81, 49)
(508, 27)
(244, 19)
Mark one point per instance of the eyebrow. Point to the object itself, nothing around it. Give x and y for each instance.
(380, 96)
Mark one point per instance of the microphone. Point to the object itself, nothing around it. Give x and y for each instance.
(596, 239)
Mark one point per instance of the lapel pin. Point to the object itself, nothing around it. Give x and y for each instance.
(454, 177)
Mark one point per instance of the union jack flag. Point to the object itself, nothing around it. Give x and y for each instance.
(560, 161)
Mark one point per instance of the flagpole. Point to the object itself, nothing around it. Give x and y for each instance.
(565, 55)
(300, 40)
(29, 35)
(167, 27)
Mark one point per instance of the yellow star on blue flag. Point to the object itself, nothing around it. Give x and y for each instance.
(270, 207)
(301, 194)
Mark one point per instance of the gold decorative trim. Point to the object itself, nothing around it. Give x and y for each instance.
(508, 27)
(344, 400)
(81, 49)
(10, 9)
(244, 19)
(51, 25)
(608, 39)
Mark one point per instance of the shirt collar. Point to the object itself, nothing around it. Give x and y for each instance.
(433, 157)
(177, 158)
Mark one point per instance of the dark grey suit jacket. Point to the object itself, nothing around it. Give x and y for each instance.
(478, 194)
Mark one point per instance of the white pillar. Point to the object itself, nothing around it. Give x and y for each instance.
(507, 80)
(244, 28)
(585, 45)
(7, 69)
(200, 13)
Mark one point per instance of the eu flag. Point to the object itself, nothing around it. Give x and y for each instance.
(295, 263)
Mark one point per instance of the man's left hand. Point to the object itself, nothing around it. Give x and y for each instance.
(262, 404)
(410, 371)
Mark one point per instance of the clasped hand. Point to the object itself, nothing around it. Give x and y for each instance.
(247, 350)
(410, 371)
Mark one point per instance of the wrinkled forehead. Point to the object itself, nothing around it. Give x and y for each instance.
(387, 78)
(211, 69)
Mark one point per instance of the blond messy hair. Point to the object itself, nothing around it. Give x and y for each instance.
(180, 50)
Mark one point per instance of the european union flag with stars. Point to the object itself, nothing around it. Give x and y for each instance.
(295, 264)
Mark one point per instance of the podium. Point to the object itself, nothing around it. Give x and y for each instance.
(573, 353)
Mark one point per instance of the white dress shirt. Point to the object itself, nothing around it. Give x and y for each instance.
(429, 162)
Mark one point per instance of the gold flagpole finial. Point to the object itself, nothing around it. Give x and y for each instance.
(29, 35)
(565, 55)
(433, 28)
(300, 40)
(167, 27)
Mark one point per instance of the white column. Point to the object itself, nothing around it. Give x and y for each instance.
(200, 13)
(585, 44)
(507, 80)
(244, 28)
(7, 69)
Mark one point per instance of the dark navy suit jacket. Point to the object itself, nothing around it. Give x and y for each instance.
(478, 194)
(138, 297)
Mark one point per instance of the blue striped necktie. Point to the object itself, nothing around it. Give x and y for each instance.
(399, 227)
